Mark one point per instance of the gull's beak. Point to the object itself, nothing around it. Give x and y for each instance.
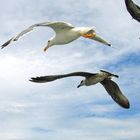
(46, 48)
(79, 86)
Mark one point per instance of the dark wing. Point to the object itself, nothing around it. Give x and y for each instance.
(114, 91)
(50, 78)
(133, 9)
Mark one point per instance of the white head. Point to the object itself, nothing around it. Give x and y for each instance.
(82, 83)
(50, 43)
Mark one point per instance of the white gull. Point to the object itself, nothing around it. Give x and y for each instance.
(65, 33)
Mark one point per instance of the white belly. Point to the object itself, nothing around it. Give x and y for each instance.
(66, 37)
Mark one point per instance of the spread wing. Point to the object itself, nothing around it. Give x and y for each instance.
(133, 9)
(114, 91)
(101, 40)
(56, 26)
(16, 37)
(50, 78)
(59, 26)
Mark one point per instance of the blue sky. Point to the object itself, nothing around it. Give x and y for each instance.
(58, 110)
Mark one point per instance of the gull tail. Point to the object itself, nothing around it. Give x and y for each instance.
(101, 40)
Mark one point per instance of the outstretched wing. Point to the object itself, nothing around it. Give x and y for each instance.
(59, 26)
(114, 91)
(50, 78)
(56, 26)
(133, 9)
(6, 43)
(16, 37)
(101, 40)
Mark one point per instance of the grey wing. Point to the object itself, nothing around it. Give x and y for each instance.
(16, 37)
(101, 40)
(114, 91)
(49, 78)
(58, 26)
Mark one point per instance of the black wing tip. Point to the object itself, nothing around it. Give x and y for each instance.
(2, 47)
(6, 43)
(123, 101)
(34, 79)
(37, 80)
(126, 105)
(109, 45)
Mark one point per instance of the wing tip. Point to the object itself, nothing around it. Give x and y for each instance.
(2, 46)
(33, 80)
(36, 80)
(110, 45)
(126, 105)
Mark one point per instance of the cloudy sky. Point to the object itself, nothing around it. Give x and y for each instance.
(58, 110)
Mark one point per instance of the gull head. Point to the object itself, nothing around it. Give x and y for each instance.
(49, 44)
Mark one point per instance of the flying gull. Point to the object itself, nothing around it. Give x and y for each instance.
(102, 77)
(133, 9)
(65, 33)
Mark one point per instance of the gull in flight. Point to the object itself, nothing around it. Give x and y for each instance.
(102, 77)
(65, 33)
